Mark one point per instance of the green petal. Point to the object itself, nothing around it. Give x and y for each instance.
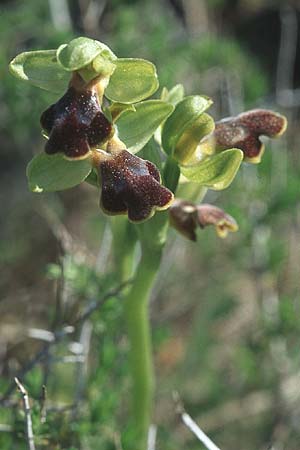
(136, 127)
(191, 137)
(40, 68)
(80, 52)
(186, 112)
(133, 80)
(54, 173)
(216, 172)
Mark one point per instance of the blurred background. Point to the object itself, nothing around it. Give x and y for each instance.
(226, 313)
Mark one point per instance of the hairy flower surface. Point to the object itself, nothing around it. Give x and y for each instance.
(244, 131)
(186, 217)
(75, 124)
(131, 185)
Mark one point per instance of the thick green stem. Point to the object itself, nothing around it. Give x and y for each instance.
(124, 244)
(140, 352)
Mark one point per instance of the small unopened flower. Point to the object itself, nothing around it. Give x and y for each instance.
(76, 123)
(244, 131)
(186, 217)
(130, 185)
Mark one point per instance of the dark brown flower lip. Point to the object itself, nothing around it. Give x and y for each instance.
(131, 185)
(244, 131)
(75, 124)
(186, 217)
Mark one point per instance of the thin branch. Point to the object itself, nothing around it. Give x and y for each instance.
(93, 306)
(192, 426)
(43, 410)
(104, 250)
(189, 422)
(60, 14)
(152, 437)
(26, 406)
(82, 366)
(5, 428)
(60, 334)
(287, 54)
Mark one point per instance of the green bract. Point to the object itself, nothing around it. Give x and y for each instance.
(186, 113)
(80, 52)
(136, 127)
(132, 81)
(216, 172)
(55, 173)
(41, 69)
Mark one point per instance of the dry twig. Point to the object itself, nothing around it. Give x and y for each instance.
(152, 437)
(60, 334)
(192, 426)
(26, 406)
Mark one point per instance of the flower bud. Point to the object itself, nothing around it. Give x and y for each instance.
(183, 217)
(244, 131)
(131, 185)
(75, 124)
(186, 217)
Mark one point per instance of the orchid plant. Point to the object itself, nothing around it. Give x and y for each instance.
(151, 159)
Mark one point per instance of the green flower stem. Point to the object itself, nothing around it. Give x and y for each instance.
(124, 244)
(140, 351)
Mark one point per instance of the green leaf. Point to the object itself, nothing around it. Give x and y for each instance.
(217, 171)
(132, 81)
(80, 52)
(41, 69)
(185, 114)
(136, 128)
(174, 96)
(54, 173)
(189, 140)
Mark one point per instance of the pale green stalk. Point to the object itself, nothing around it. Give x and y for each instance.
(140, 348)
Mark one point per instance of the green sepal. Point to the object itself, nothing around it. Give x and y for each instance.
(135, 128)
(192, 135)
(55, 173)
(117, 109)
(171, 174)
(216, 172)
(41, 69)
(174, 96)
(92, 178)
(152, 152)
(133, 80)
(185, 114)
(80, 52)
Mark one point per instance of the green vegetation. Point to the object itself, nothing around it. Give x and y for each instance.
(224, 313)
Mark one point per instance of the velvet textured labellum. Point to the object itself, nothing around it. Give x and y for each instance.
(244, 131)
(186, 217)
(131, 185)
(75, 124)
